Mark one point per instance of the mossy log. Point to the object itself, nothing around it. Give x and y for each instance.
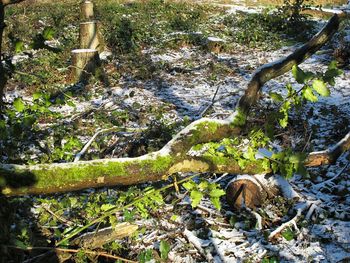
(173, 157)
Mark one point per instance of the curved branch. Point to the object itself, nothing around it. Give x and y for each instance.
(277, 68)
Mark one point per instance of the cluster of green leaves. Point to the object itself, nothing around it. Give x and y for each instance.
(238, 149)
(314, 85)
(22, 117)
(151, 200)
(48, 19)
(204, 188)
(287, 163)
(20, 127)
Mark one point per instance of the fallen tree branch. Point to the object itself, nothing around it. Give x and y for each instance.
(173, 157)
(330, 155)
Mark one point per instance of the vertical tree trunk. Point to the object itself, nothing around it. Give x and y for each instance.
(89, 35)
(87, 10)
(3, 78)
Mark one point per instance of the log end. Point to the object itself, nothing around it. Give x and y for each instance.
(244, 192)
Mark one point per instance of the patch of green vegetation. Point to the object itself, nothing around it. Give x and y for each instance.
(135, 25)
(268, 29)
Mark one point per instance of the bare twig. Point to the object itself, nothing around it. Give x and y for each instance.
(60, 218)
(319, 186)
(292, 222)
(87, 145)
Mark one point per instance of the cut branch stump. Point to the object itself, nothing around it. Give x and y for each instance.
(85, 62)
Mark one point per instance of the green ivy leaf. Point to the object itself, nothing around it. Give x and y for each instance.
(321, 87)
(189, 185)
(145, 256)
(19, 243)
(308, 94)
(48, 33)
(203, 185)
(217, 193)
(276, 97)
(216, 202)
(301, 76)
(288, 234)
(19, 46)
(164, 249)
(106, 207)
(196, 197)
(18, 105)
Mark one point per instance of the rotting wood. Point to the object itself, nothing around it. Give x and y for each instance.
(172, 158)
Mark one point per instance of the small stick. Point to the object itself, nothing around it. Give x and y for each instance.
(87, 145)
(258, 220)
(212, 100)
(307, 143)
(220, 178)
(287, 224)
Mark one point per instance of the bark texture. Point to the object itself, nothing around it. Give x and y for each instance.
(89, 36)
(173, 157)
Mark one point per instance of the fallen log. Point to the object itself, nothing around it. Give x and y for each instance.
(173, 157)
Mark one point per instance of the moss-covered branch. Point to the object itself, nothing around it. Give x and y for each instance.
(172, 158)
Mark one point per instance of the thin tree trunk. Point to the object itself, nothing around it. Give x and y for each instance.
(3, 78)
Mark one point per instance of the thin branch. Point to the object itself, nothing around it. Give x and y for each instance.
(323, 184)
(69, 250)
(212, 100)
(87, 145)
(62, 219)
(197, 243)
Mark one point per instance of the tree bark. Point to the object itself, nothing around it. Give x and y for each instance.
(89, 36)
(173, 157)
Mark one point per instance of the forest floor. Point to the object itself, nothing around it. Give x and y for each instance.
(185, 80)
